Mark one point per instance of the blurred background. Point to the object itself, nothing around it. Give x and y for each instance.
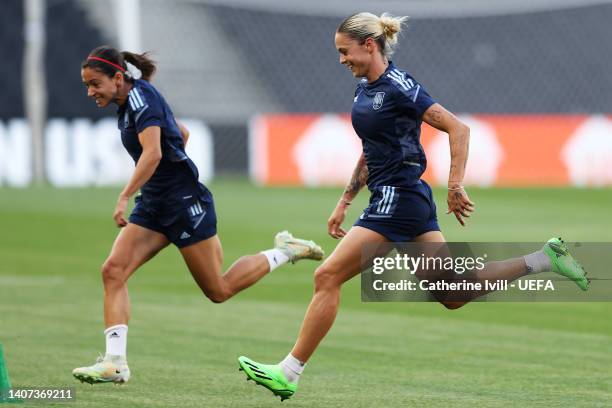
(259, 83)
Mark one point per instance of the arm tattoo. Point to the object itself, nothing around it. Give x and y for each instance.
(459, 149)
(434, 116)
(441, 119)
(358, 179)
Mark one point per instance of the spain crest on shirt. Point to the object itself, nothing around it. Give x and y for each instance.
(378, 100)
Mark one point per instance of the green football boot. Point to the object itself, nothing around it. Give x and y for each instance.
(108, 369)
(270, 376)
(564, 263)
(296, 248)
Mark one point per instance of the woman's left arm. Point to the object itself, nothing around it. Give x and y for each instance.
(184, 132)
(459, 138)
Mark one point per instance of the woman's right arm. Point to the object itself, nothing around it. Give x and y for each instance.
(358, 180)
(150, 140)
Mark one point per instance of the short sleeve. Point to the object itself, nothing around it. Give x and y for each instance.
(415, 99)
(145, 108)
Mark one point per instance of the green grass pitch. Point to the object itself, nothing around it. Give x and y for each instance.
(182, 349)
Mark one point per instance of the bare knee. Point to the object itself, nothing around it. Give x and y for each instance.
(217, 290)
(447, 301)
(452, 305)
(325, 278)
(218, 296)
(113, 273)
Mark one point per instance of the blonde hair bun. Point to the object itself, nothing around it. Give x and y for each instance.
(384, 29)
(391, 27)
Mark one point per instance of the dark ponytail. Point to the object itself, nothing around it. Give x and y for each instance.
(142, 62)
(109, 60)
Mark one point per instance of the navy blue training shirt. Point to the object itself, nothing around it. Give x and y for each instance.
(387, 116)
(146, 107)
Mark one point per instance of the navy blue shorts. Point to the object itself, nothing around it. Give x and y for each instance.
(192, 220)
(401, 213)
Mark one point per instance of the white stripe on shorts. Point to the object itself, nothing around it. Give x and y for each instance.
(386, 211)
(383, 202)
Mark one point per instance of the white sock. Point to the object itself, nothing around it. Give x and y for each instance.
(537, 262)
(292, 368)
(116, 340)
(276, 258)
